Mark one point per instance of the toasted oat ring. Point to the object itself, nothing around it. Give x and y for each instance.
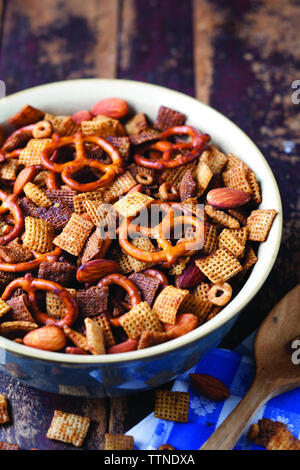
(31, 285)
(223, 299)
(67, 169)
(168, 148)
(168, 192)
(9, 203)
(144, 178)
(30, 265)
(169, 252)
(42, 130)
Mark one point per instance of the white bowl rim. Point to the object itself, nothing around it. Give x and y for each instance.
(228, 313)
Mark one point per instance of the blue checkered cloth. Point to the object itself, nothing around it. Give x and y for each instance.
(236, 370)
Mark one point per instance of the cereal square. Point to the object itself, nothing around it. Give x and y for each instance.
(172, 406)
(68, 427)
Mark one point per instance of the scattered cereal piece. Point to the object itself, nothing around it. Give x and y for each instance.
(61, 272)
(229, 241)
(132, 204)
(220, 266)
(237, 178)
(4, 308)
(203, 176)
(221, 217)
(168, 302)
(31, 154)
(198, 302)
(4, 418)
(8, 446)
(215, 159)
(104, 323)
(38, 235)
(68, 427)
(36, 195)
(118, 442)
(94, 336)
(259, 224)
(19, 309)
(74, 235)
(172, 406)
(168, 117)
(139, 319)
(27, 115)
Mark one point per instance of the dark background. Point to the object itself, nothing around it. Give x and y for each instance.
(239, 56)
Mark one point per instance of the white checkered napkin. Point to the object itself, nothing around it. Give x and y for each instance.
(68, 427)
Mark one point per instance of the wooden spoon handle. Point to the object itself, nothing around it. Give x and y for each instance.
(227, 434)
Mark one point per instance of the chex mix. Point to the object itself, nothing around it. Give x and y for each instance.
(119, 234)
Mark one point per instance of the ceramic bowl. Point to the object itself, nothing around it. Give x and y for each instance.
(140, 370)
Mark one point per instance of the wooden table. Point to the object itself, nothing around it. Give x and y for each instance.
(240, 56)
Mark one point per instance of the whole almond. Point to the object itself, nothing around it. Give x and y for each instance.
(209, 386)
(191, 276)
(96, 269)
(185, 322)
(25, 176)
(49, 338)
(115, 108)
(227, 198)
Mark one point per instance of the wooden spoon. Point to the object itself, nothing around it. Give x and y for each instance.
(275, 371)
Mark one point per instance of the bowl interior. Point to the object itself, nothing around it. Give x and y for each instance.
(70, 96)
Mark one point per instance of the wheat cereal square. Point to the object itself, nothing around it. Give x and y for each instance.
(259, 224)
(220, 266)
(38, 235)
(74, 235)
(118, 442)
(132, 204)
(168, 302)
(172, 406)
(68, 427)
(4, 417)
(4, 307)
(31, 154)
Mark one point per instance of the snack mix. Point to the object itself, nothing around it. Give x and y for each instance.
(117, 234)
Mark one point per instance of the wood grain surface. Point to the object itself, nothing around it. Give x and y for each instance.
(240, 56)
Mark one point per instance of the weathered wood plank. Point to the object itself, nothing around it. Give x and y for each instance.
(31, 412)
(56, 40)
(118, 413)
(205, 22)
(160, 47)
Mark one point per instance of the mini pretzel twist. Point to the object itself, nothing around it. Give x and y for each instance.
(168, 192)
(68, 169)
(167, 149)
(122, 281)
(169, 252)
(9, 203)
(31, 286)
(33, 264)
(13, 145)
